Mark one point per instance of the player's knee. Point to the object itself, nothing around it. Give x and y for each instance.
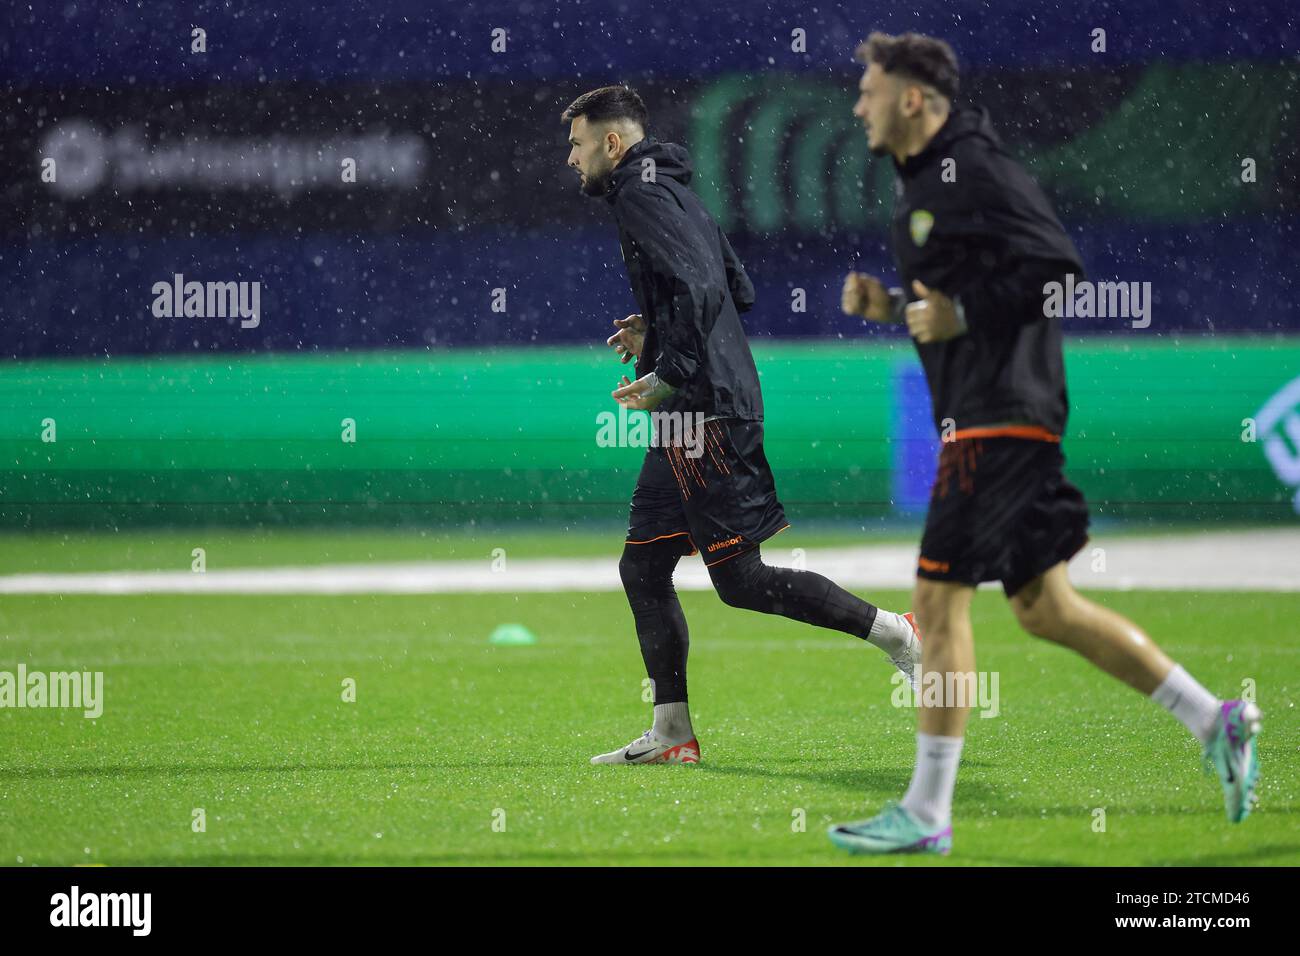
(737, 583)
(642, 576)
(1041, 618)
(630, 570)
(928, 615)
(732, 591)
(1049, 607)
(935, 610)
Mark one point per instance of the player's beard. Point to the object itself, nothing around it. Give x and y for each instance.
(596, 183)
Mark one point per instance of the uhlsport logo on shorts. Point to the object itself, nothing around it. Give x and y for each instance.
(1278, 426)
(719, 545)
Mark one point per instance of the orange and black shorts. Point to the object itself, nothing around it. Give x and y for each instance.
(1001, 509)
(715, 493)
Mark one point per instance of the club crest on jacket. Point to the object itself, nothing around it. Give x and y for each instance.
(920, 224)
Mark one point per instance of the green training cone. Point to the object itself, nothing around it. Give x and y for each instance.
(512, 635)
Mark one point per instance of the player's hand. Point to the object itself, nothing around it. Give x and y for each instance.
(933, 318)
(643, 394)
(866, 297)
(629, 338)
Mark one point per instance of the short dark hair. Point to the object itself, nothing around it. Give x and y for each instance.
(915, 56)
(608, 103)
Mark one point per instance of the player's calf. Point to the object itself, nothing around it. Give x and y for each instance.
(1050, 608)
(745, 581)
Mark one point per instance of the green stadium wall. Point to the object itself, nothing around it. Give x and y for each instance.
(458, 437)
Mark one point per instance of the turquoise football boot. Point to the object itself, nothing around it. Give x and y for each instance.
(894, 830)
(1231, 753)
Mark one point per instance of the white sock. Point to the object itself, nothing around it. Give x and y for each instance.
(673, 722)
(929, 797)
(1196, 707)
(891, 633)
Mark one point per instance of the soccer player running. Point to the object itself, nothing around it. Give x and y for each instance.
(975, 241)
(705, 485)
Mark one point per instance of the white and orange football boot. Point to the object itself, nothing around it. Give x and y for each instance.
(909, 662)
(650, 749)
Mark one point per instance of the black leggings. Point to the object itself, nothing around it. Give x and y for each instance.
(647, 573)
(742, 581)
(745, 581)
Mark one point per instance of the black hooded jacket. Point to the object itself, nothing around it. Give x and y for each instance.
(990, 240)
(688, 284)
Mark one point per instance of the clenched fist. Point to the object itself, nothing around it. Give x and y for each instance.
(865, 296)
(934, 318)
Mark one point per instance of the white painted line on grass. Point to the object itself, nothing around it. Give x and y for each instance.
(1214, 561)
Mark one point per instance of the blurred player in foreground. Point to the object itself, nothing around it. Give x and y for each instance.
(977, 248)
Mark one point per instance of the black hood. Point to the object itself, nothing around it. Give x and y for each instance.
(670, 160)
(962, 123)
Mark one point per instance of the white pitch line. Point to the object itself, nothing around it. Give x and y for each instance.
(1213, 561)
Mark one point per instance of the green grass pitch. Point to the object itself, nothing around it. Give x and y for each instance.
(234, 705)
